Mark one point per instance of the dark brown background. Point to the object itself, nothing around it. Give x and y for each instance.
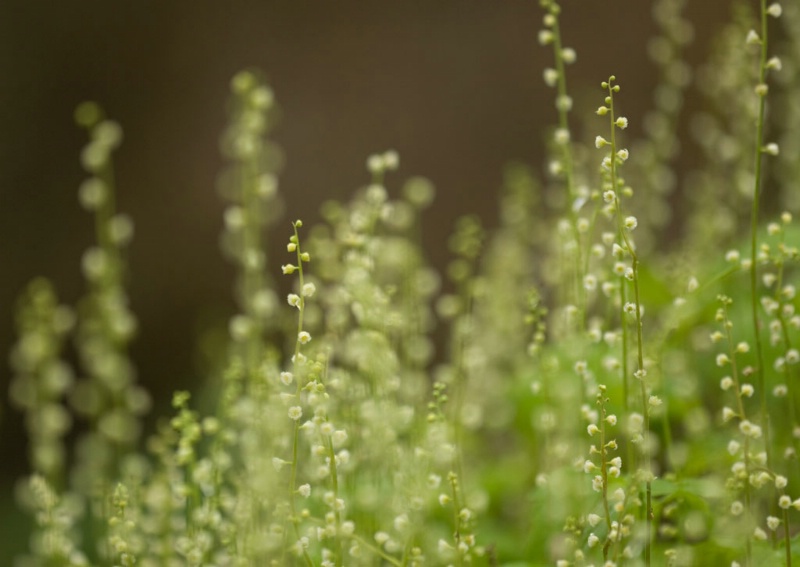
(455, 87)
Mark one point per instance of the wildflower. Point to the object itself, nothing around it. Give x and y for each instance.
(760, 479)
(304, 490)
(92, 193)
(599, 142)
(654, 401)
(309, 289)
(784, 502)
(733, 447)
(722, 359)
(294, 300)
(286, 378)
(550, 77)
(593, 519)
(568, 55)
(752, 38)
(304, 337)
(631, 223)
(592, 429)
(564, 102)
(750, 429)
(747, 390)
(623, 154)
(545, 37)
(291, 247)
(621, 122)
(593, 540)
(391, 160)
(295, 412)
(771, 149)
(611, 419)
(375, 163)
(775, 10)
(288, 269)
(773, 522)
(737, 508)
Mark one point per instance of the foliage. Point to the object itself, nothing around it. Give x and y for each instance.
(603, 397)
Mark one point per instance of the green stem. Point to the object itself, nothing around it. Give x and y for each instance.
(639, 336)
(757, 189)
(567, 160)
(295, 437)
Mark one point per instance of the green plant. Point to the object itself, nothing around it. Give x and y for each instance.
(341, 437)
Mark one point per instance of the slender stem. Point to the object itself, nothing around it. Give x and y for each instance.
(726, 323)
(296, 424)
(567, 161)
(786, 538)
(638, 312)
(757, 189)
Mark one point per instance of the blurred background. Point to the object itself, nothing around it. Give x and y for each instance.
(454, 86)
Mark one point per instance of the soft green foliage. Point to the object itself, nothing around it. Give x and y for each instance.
(602, 398)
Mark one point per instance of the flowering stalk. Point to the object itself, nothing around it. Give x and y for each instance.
(608, 467)
(780, 309)
(761, 91)
(624, 226)
(250, 184)
(565, 165)
(747, 428)
(296, 412)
